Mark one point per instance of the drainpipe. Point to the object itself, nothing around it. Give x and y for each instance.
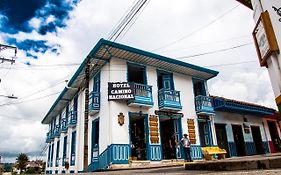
(86, 117)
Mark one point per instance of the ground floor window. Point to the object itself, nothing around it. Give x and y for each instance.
(95, 138)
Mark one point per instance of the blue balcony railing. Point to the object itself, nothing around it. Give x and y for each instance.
(94, 102)
(143, 95)
(48, 140)
(64, 125)
(50, 136)
(72, 118)
(57, 130)
(169, 99)
(204, 105)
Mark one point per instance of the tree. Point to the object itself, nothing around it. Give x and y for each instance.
(21, 162)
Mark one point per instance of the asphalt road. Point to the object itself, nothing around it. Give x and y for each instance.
(182, 171)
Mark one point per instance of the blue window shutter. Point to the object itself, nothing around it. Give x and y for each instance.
(58, 152)
(73, 145)
(52, 154)
(75, 105)
(64, 150)
(96, 83)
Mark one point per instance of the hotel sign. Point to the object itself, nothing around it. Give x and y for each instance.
(120, 91)
(264, 37)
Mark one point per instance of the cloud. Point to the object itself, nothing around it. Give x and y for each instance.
(43, 16)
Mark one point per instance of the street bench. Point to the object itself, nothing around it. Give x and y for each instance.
(210, 152)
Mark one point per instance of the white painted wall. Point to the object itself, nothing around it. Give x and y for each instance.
(237, 119)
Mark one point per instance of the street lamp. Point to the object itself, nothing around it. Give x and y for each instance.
(9, 96)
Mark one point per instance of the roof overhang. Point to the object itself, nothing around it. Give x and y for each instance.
(233, 106)
(247, 3)
(104, 51)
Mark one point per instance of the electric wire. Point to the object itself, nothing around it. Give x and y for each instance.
(215, 51)
(197, 30)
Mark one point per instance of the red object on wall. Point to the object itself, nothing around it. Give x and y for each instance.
(272, 149)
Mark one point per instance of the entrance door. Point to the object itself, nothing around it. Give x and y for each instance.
(256, 133)
(167, 132)
(222, 137)
(205, 133)
(274, 135)
(137, 134)
(239, 140)
(177, 135)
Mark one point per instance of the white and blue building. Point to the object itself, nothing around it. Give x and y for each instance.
(135, 101)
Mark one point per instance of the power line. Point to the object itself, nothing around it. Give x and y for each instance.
(207, 43)
(197, 30)
(231, 64)
(34, 99)
(126, 20)
(215, 51)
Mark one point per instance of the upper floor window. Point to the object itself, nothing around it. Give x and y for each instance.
(136, 74)
(96, 83)
(75, 103)
(165, 80)
(199, 88)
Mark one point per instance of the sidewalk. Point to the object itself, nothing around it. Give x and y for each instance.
(267, 161)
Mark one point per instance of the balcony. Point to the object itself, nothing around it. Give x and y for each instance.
(169, 100)
(94, 103)
(143, 95)
(49, 136)
(204, 105)
(57, 130)
(72, 118)
(64, 125)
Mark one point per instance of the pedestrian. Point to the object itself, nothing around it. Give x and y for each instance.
(186, 147)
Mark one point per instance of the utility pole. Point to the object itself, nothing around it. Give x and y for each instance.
(86, 117)
(4, 47)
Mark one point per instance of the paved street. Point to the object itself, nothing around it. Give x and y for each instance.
(182, 171)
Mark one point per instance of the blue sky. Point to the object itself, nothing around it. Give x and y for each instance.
(15, 17)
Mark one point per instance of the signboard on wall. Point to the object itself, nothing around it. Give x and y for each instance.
(120, 91)
(264, 37)
(168, 114)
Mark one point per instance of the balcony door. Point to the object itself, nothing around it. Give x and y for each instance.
(136, 74)
(165, 81)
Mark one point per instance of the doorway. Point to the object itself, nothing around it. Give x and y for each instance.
(239, 140)
(137, 136)
(170, 136)
(274, 135)
(256, 133)
(222, 137)
(205, 133)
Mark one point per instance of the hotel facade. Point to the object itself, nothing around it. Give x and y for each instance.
(124, 104)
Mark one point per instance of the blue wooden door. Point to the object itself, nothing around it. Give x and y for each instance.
(167, 82)
(177, 132)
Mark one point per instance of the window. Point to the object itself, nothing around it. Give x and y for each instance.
(96, 83)
(58, 153)
(165, 80)
(64, 150)
(136, 74)
(52, 155)
(199, 88)
(95, 138)
(73, 146)
(49, 156)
